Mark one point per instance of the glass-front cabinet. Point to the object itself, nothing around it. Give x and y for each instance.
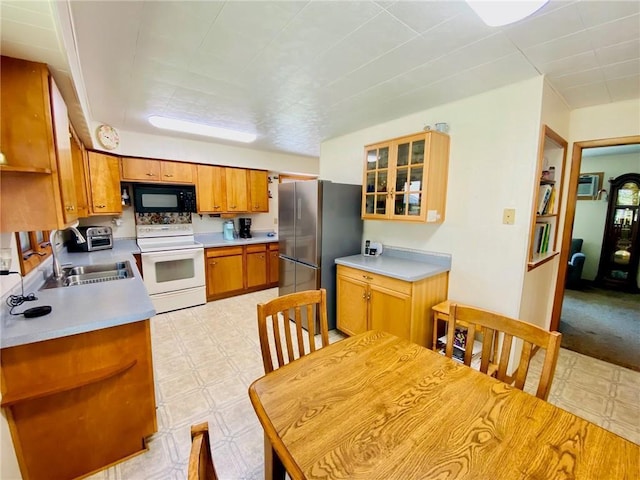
(620, 253)
(406, 178)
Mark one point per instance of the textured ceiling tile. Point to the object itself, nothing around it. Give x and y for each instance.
(586, 77)
(587, 95)
(622, 69)
(576, 63)
(625, 88)
(22, 12)
(31, 34)
(615, 32)
(422, 16)
(457, 32)
(596, 13)
(619, 53)
(544, 26)
(568, 46)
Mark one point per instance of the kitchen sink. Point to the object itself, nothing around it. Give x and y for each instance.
(87, 274)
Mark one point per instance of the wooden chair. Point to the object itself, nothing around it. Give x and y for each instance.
(490, 325)
(200, 461)
(276, 314)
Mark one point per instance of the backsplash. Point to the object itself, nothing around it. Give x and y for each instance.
(162, 218)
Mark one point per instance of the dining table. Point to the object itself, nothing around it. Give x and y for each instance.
(375, 406)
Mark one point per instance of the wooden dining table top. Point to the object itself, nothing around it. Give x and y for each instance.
(374, 406)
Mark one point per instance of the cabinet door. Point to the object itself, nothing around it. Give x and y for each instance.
(390, 311)
(63, 155)
(224, 274)
(140, 169)
(211, 189)
(274, 270)
(256, 266)
(104, 183)
(352, 305)
(376, 197)
(236, 183)
(408, 190)
(176, 172)
(258, 191)
(78, 155)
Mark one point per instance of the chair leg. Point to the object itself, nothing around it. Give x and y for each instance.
(273, 468)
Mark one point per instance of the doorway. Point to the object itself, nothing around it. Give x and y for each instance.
(594, 338)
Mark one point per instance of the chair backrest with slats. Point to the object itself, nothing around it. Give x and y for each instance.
(491, 325)
(288, 337)
(200, 461)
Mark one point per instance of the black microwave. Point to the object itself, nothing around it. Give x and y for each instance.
(164, 198)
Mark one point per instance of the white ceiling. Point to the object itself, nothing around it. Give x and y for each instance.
(299, 72)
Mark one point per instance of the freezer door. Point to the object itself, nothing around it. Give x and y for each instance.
(287, 280)
(308, 278)
(286, 219)
(307, 225)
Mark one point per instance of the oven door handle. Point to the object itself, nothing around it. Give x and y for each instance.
(185, 252)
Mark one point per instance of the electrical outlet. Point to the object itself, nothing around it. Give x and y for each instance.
(275, 220)
(509, 216)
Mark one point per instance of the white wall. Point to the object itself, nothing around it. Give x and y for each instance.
(494, 142)
(538, 289)
(610, 120)
(591, 215)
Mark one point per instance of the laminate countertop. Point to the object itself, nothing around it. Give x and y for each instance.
(210, 240)
(403, 264)
(80, 308)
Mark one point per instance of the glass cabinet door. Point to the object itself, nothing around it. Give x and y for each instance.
(376, 181)
(409, 186)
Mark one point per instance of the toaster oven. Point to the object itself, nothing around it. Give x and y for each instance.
(97, 238)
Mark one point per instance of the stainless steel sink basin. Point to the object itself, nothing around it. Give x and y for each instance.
(86, 274)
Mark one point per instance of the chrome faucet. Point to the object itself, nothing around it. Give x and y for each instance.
(57, 269)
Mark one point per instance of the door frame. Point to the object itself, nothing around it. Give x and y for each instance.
(567, 231)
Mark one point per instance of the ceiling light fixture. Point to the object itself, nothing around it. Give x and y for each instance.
(200, 129)
(500, 12)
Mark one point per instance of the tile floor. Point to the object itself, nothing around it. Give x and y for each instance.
(206, 357)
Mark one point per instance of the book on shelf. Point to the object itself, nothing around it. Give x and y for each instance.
(551, 202)
(537, 236)
(544, 194)
(459, 344)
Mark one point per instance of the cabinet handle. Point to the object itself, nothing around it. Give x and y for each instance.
(100, 206)
(232, 206)
(168, 175)
(216, 206)
(256, 206)
(70, 208)
(369, 296)
(150, 175)
(367, 277)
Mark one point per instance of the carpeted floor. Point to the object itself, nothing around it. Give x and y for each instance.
(603, 324)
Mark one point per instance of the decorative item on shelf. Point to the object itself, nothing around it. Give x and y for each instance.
(270, 196)
(126, 200)
(442, 127)
(3, 159)
(426, 128)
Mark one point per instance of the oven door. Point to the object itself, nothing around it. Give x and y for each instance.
(173, 270)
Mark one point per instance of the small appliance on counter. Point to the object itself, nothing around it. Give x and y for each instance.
(228, 230)
(98, 238)
(372, 249)
(245, 227)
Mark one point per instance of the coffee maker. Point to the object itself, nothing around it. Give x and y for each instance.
(245, 227)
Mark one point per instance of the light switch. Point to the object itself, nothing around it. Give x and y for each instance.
(275, 220)
(509, 216)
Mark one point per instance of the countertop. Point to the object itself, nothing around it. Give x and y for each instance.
(81, 308)
(216, 239)
(403, 264)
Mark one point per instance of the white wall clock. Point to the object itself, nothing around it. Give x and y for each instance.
(108, 137)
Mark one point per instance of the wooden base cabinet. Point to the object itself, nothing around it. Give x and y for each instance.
(368, 301)
(241, 269)
(78, 404)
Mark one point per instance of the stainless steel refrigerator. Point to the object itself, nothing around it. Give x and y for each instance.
(318, 221)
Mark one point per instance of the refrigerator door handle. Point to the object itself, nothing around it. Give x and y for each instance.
(299, 208)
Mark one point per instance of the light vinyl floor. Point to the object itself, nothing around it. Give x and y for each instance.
(206, 357)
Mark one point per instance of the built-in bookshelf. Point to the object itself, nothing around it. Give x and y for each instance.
(552, 155)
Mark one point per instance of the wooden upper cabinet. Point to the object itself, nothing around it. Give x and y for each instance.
(78, 158)
(62, 142)
(37, 187)
(236, 186)
(406, 178)
(258, 191)
(177, 172)
(104, 183)
(210, 189)
(148, 170)
(140, 170)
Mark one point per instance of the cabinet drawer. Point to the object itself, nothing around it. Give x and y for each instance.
(274, 246)
(256, 248)
(376, 279)
(223, 251)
